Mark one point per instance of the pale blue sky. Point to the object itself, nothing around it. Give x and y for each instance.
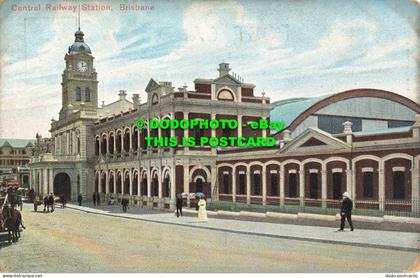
(287, 48)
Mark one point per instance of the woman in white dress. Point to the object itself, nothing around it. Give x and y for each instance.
(202, 212)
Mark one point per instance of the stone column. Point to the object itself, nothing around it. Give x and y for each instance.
(213, 134)
(149, 183)
(248, 184)
(239, 125)
(115, 182)
(159, 174)
(74, 143)
(45, 178)
(67, 143)
(122, 141)
(324, 186)
(122, 182)
(302, 185)
(281, 179)
(186, 134)
(139, 181)
(172, 116)
(213, 179)
(131, 140)
(234, 184)
(415, 207)
(99, 181)
(51, 180)
(187, 180)
(350, 188)
(381, 181)
(107, 143)
(115, 142)
(106, 182)
(130, 176)
(264, 185)
(173, 188)
(264, 131)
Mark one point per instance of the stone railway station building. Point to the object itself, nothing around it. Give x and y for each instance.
(364, 141)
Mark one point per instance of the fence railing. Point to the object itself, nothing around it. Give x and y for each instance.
(378, 208)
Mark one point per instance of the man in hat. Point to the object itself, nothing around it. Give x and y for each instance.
(346, 207)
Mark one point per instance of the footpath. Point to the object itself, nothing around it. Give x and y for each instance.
(403, 241)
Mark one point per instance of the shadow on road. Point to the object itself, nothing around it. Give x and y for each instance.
(4, 240)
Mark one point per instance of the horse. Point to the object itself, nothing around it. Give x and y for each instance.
(12, 220)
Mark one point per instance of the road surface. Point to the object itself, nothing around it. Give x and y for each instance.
(74, 241)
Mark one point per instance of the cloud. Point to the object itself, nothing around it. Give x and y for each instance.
(190, 44)
(398, 45)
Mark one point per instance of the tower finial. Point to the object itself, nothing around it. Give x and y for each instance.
(78, 19)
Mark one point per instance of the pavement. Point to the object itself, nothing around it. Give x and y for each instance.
(402, 241)
(71, 240)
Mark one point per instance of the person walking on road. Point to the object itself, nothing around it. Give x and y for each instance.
(63, 201)
(98, 199)
(202, 212)
(36, 200)
(178, 206)
(51, 201)
(79, 199)
(46, 206)
(94, 198)
(124, 203)
(346, 207)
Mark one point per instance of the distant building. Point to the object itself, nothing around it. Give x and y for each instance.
(15, 153)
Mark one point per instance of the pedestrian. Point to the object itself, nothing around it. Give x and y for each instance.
(46, 206)
(94, 198)
(178, 205)
(63, 200)
(79, 199)
(202, 212)
(124, 203)
(346, 207)
(19, 201)
(36, 200)
(98, 199)
(51, 201)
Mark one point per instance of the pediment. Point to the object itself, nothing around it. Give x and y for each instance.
(151, 85)
(314, 140)
(227, 80)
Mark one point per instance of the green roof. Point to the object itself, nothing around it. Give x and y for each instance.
(289, 109)
(16, 143)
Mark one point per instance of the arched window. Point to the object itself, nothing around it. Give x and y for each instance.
(399, 185)
(292, 185)
(78, 94)
(87, 95)
(225, 95)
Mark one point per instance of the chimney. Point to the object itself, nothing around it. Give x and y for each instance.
(223, 69)
(103, 103)
(416, 128)
(286, 135)
(348, 132)
(122, 94)
(136, 99)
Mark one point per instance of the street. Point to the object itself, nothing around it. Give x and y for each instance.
(74, 241)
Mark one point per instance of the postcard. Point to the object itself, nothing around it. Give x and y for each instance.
(222, 137)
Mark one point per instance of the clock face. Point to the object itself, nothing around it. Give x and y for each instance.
(82, 66)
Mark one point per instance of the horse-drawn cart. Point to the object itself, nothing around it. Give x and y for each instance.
(3, 202)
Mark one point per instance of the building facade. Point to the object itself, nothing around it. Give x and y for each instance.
(15, 155)
(362, 141)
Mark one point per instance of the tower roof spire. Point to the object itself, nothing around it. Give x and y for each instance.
(78, 19)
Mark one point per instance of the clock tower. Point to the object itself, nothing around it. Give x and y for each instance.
(79, 79)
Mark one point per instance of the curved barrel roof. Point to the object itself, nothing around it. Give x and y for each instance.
(293, 111)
